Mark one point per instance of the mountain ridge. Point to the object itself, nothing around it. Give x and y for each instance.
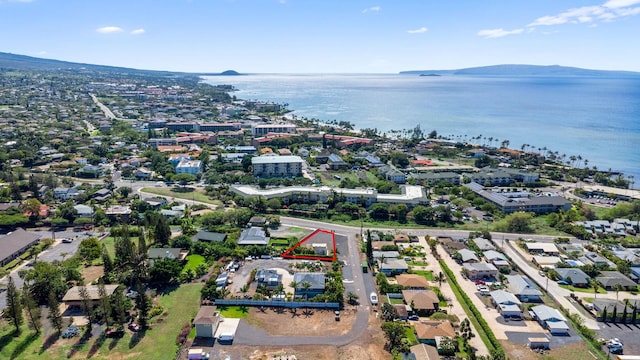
(522, 70)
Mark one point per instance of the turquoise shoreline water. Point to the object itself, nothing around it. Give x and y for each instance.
(595, 118)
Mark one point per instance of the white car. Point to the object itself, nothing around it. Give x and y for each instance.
(374, 298)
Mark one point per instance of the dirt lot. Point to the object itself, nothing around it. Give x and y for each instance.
(310, 322)
(91, 273)
(370, 346)
(575, 351)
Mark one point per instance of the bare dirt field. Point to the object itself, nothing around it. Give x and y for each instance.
(308, 322)
(91, 273)
(370, 346)
(575, 351)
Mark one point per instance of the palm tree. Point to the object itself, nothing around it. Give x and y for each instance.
(306, 285)
(440, 278)
(617, 288)
(596, 286)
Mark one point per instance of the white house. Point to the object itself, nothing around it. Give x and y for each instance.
(189, 167)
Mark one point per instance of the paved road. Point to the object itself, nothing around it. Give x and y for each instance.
(55, 252)
(107, 112)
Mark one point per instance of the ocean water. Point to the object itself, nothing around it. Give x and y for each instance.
(597, 119)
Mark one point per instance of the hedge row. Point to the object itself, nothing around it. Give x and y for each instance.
(493, 345)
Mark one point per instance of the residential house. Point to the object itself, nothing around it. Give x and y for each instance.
(507, 304)
(192, 167)
(548, 249)
(118, 212)
(392, 254)
(268, 278)
(391, 267)
(308, 285)
(596, 259)
(484, 244)
(468, 256)
(524, 288)
(427, 331)
(496, 258)
(546, 262)
(167, 253)
(392, 174)
(84, 211)
(206, 322)
(609, 306)
(209, 236)
(156, 202)
(72, 297)
(551, 319)
(422, 302)
(412, 281)
(575, 277)
(480, 270)
(336, 163)
(15, 244)
(101, 195)
(257, 221)
(609, 279)
(253, 236)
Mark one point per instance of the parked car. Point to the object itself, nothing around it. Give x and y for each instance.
(134, 327)
(562, 282)
(131, 294)
(413, 317)
(374, 298)
(67, 240)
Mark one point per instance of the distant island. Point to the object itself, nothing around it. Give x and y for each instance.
(522, 70)
(224, 73)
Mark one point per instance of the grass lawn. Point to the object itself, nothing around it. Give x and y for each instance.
(109, 242)
(193, 261)
(427, 274)
(409, 334)
(159, 342)
(194, 194)
(395, 301)
(234, 312)
(583, 290)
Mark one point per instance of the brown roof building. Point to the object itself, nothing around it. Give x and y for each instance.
(424, 301)
(427, 331)
(73, 297)
(412, 281)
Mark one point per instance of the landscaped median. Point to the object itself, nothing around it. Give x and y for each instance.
(485, 333)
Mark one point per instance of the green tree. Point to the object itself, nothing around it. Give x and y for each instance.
(394, 332)
(32, 310)
(519, 222)
(164, 271)
(32, 206)
(162, 232)
(89, 249)
(13, 310)
(87, 306)
(105, 304)
(55, 317)
(143, 305)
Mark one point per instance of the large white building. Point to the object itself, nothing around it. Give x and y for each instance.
(411, 195)
(263, 129)
(277, 166)
(189, 167)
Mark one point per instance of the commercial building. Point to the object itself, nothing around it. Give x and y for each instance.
(277, 166)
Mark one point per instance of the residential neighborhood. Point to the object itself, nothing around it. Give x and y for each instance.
(179, 221)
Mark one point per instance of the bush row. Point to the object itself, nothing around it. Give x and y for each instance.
(495, 348)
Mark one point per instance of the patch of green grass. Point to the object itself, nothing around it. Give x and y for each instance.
(394, 301)
(109, 243)
(193, 261)
(160, 340)
(583, 290)
(409, 334)
(428, 274)
(234, 312)
(194, 194)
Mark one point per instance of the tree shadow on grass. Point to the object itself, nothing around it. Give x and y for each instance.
(86, 335)
(96, 345)
(24, 344)
(49, 341)
(166, 290)
(7, 338)
(136, 338)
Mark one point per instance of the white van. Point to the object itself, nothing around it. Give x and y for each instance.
(374, 298)
(225, 338)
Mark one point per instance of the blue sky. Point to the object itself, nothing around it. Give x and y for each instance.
(324, 36)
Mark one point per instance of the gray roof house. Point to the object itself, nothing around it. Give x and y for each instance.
(167, 253)
(480, 270)
(392, 267)
(16, 243)
(209, 236)
(609, 279)
(524, 288)
(316, 280)
(484, 244)
(507, 304)
(253, 236)
(468, 256)
(551, 319)
(575, 277)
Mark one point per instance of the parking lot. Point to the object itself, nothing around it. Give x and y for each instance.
(627, 333)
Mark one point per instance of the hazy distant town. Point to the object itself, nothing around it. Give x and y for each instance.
(147, 215)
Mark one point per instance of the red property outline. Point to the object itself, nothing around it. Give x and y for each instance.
(287, 254)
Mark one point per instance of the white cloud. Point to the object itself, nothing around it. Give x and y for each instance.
(109, 30)
(497, 33)
(608, 11)
(614, 4)
(137, 32)
(418, 30)
(372, 9)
